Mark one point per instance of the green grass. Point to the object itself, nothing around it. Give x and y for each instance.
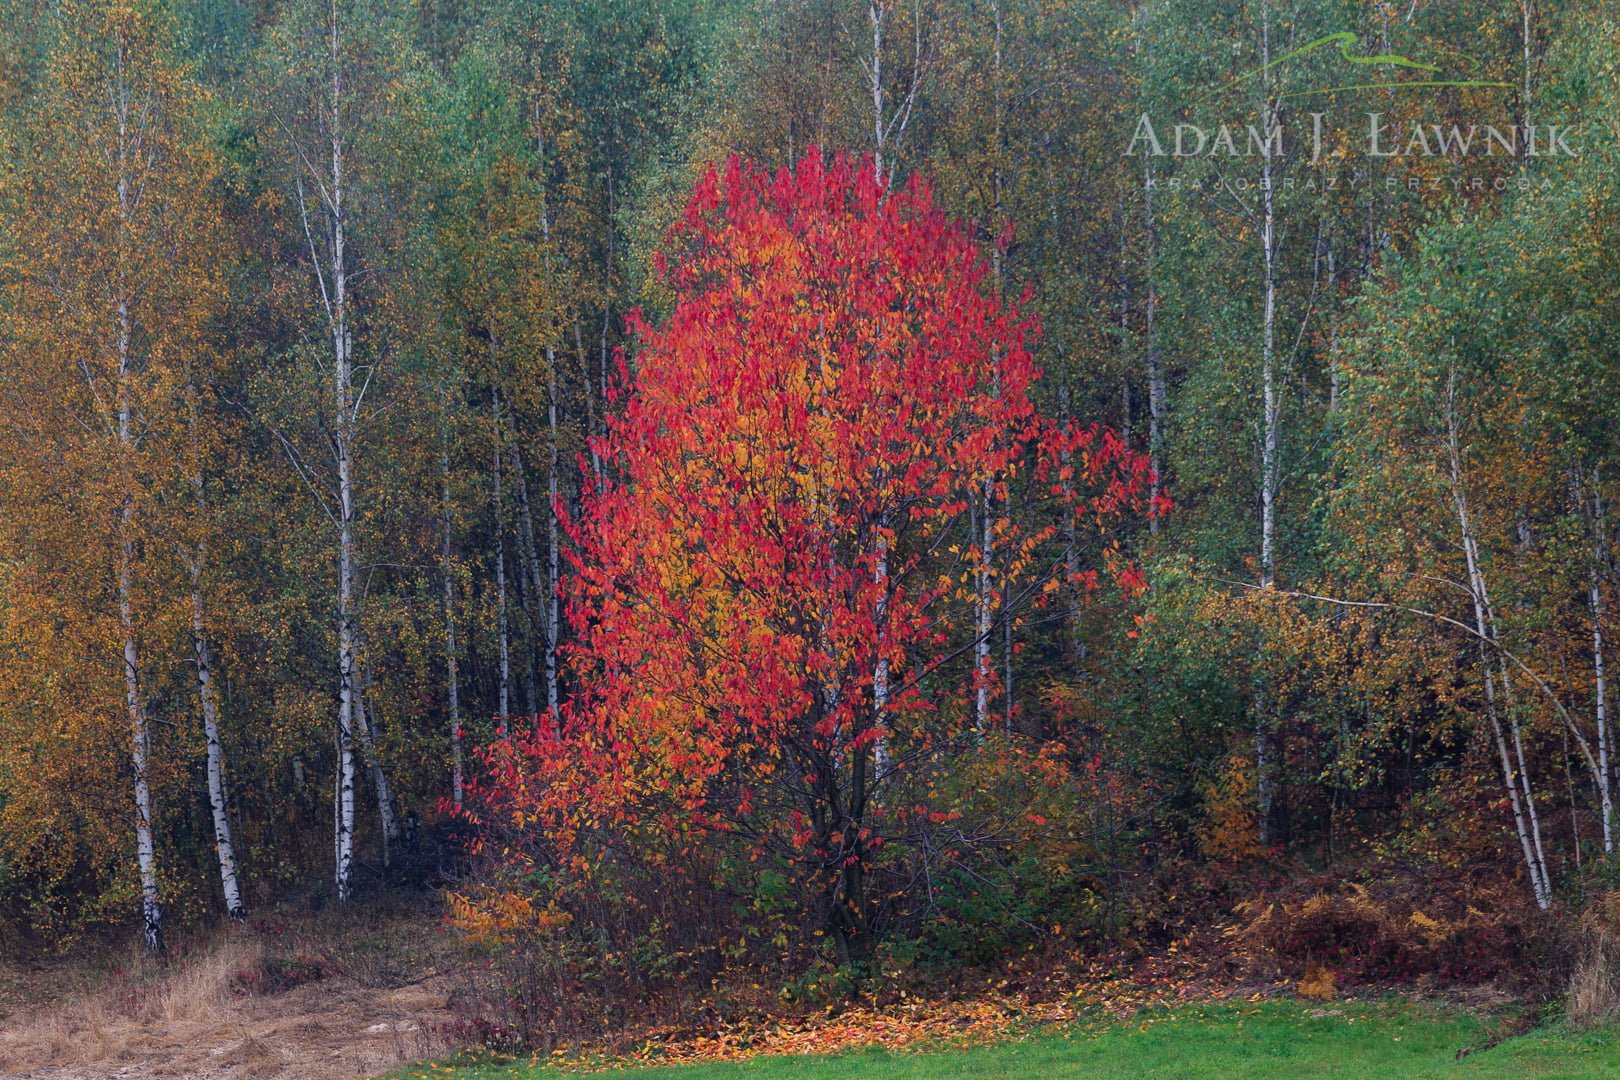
(1392, 1039)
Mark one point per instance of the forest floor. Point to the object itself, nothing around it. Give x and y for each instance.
(1392, 1038)
(301, 998)
(320, 996)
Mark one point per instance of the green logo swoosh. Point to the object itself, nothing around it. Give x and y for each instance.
(1346, 41)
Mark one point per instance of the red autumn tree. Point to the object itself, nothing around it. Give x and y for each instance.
(771, 610)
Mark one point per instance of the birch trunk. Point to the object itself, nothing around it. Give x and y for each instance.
(1155, 367)
(542, 584)
(553, 619)
(1071, 534)
(196, 565)
(1595, 600)
(882, 130)
(1515, 779)
(497, 502)
(1271, 401)
(451, 663)
(591, 427)
(140, 733)
(983, 617)
(217, 801)
(139, 727)
(531, 597)
(386, 812)
(343, 437)
(548, 597)
(984, 599)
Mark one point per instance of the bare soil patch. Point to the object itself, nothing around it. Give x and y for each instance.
(307, 999)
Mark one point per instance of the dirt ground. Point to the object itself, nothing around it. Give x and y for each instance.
(255, 1003)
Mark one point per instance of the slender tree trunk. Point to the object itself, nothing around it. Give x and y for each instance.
(1526, 8)
(542, 584)
(1335, 376)
(531, 591)
(1515, 777)
(877, 17)
(546, 592)
(451, 661)
(1271, 402)
(387, 811)
(590, 397)
(197, 565)
(880, 672)
(553, 618)
(497, 502)
(343, 437)
(983, 615)
(1596, 603)
(140, 733)
(984, 671)
(139, 727)
(1071, 536)
(1155, 365)
(217, 800)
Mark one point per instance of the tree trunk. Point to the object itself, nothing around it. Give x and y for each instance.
(139, 728)
(387, 811)
(1155, 367)
(140, 734)
(542, 585)
(342, 437)
(451, 663)
(983, 618)
(1515, 779)
(551, 619)
(217, 800)
(1271, 401)
(497, 502)
(1595, 601)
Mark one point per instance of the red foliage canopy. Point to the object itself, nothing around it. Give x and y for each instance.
(770, 589)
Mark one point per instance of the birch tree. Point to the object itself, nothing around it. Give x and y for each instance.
(322, 66)
(113, 281)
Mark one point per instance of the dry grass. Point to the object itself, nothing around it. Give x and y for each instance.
(1594, 982)
(303, 998)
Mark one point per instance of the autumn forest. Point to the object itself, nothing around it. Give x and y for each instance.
(830, 492)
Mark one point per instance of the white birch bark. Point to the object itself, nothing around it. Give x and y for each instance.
(451, 655)
(1515, 777)
(497, 501)
(343, 419)
(140, 733)
(196, 562)
(1595, 601)
(1071, 533)
(983, 615)
(985, 593)
(135, 706)
(386, 812)
(880, 672)
(885, 128)
(553, 620)
(889, 126)
(218, 803)
(548, 595)
(1155, 366)
(1271, 404)
(542, 583)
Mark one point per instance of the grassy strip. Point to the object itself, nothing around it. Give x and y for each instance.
(1390, 1039)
